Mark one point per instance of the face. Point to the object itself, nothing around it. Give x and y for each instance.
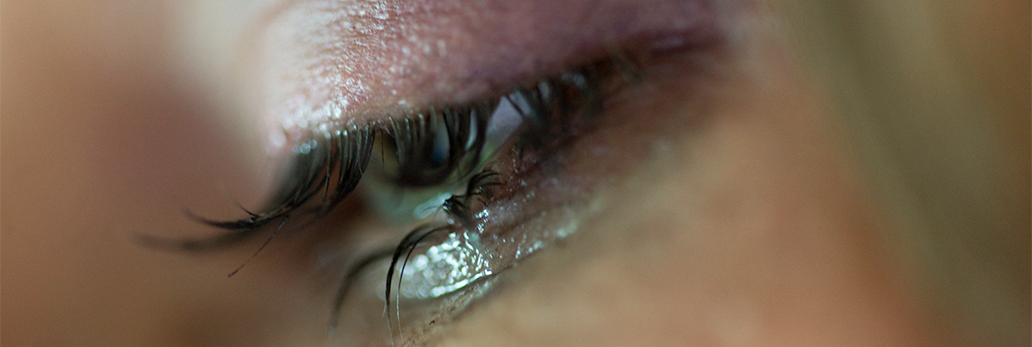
(680, 179)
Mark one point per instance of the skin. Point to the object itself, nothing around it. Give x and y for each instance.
(750, 225)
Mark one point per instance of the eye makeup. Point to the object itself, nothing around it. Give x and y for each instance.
(477, 152)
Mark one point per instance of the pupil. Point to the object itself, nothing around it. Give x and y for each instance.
(440, 152)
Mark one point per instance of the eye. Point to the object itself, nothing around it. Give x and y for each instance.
(463, 241)
(472, 180)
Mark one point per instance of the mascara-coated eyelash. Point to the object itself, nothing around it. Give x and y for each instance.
(332, 166)
(414, 144)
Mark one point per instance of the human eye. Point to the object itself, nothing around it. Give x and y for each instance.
(446, 154)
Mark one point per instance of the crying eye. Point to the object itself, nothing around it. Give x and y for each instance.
(463, 190)
(466, 180)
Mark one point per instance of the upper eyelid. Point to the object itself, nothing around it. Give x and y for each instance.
(395, 65)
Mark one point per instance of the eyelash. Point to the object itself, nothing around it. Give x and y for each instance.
(345, 154)
(551, 111)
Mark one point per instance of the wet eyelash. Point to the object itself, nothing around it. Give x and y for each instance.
(460, 207)
(548, 114)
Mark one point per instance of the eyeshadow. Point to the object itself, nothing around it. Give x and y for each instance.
(330, 64)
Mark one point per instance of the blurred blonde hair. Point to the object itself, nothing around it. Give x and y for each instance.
(936, 95)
